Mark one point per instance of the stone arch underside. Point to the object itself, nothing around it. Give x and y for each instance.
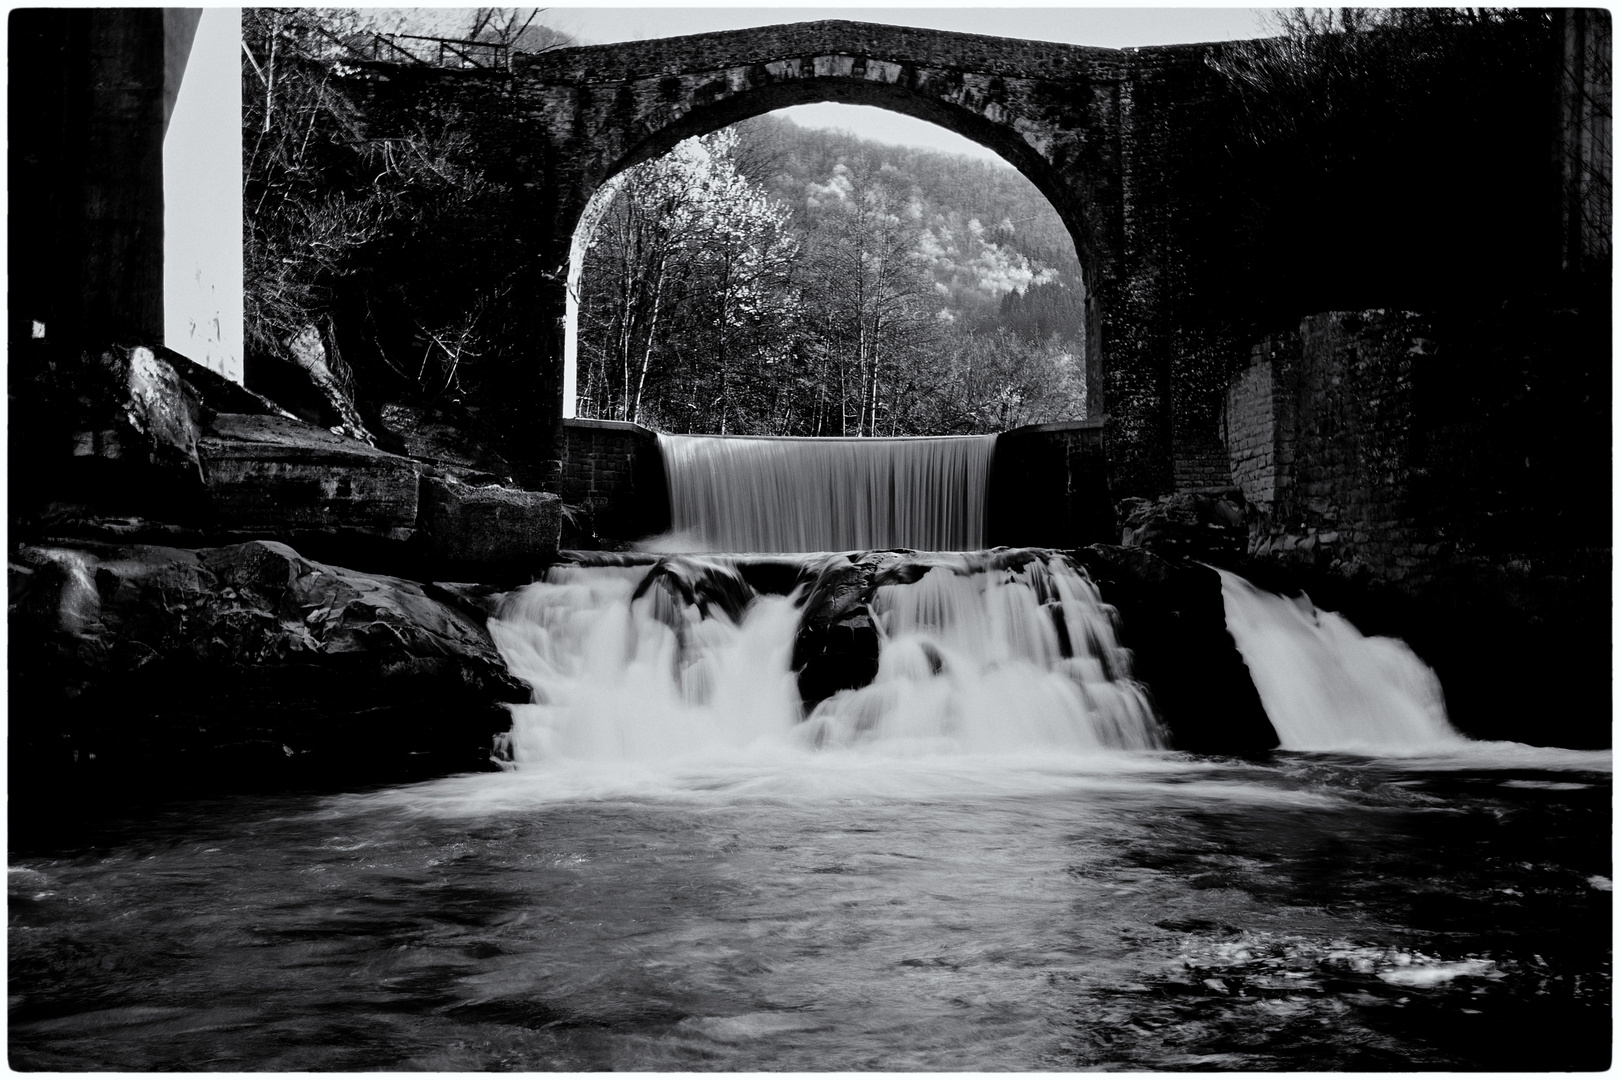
(747, 103)
(1049, 110)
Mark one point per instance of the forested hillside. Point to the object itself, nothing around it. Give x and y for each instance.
(986, 231)
(770, 279)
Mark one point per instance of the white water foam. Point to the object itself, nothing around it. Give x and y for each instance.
(631, 691)
(755, 494)
(639, 680)
(1327, 687)
(975, 661)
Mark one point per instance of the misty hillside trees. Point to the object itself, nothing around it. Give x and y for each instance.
(877, 300)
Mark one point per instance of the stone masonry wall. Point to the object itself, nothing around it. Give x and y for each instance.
(1320, 434)
(1049, 487)
(1402, 446)
(615, 471)
(1250, 430)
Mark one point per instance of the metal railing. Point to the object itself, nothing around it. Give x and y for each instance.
(439, 52)
(401, 49)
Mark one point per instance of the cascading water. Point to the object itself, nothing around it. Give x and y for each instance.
(978, 660)
(972, 659)
(759, 494)
(1327, 687)
(622, 677)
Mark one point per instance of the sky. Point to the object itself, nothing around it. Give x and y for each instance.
(1107, 27)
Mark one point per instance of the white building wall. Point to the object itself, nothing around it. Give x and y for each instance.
(202, 192)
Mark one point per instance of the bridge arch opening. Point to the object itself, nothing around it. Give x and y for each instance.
(1002, 262)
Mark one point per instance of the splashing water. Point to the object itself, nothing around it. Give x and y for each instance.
(1327, 687)
(755, 494)
(619, 677)
(971, 660)
(1021, 658)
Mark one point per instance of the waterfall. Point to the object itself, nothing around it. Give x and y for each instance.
(792, 494)
(989, 659)
(657, 664)
(1327, 687)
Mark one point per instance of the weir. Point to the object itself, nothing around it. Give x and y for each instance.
(821, 640)
(740, 493)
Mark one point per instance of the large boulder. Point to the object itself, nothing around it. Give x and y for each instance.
(276, 476)
(1173, 619)
(240, 663)
(476, 526)
(836, 647)
(117, 429)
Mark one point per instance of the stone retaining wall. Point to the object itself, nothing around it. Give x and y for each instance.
(616, 472)
(1049, 487)
(1322, 433)
(1398, 444)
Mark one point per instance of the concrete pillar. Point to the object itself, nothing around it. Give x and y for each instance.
(91, 91)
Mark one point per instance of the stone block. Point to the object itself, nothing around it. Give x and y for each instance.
(491, 524)
(272, 475)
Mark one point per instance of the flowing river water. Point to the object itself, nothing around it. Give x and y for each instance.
(986, 860)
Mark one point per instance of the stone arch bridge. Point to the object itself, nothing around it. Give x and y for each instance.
(1194, 238)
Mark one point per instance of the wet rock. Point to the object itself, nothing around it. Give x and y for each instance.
(1209, 526)
(1173, 620)
(842, 655)
(836, 647)
(694, 581)
(138, 660)
(477, 600)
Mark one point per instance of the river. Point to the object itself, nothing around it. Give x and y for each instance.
(674, 875)
(852, 911)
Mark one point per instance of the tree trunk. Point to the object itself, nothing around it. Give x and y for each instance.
(652, 334)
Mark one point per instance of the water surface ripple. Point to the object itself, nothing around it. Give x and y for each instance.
(1141, 910)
